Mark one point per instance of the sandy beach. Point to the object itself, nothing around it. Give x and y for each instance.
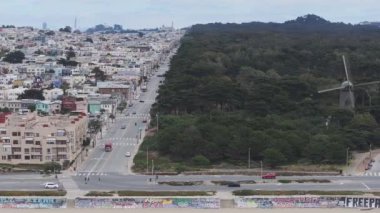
(183, 210)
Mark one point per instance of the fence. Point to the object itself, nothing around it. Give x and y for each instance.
(199, 203)
(32, 202)
(307, 202)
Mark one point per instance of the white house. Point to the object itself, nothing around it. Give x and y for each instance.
(52, 94)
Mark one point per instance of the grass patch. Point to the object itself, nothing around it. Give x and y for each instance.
(255, 192)
(313, 181)
(311, 167)
(100, 194)
(182, 183)
(284, 181)
(305, 181)
(33, 193)
(225, 183)
(166, 193)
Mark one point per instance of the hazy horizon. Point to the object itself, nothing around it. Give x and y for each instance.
(155, 13)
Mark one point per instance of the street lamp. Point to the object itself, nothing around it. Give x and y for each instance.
(157, 121)
(370, 151)
(261, 169)
(147, 160)
(249, 157)
(347, 150)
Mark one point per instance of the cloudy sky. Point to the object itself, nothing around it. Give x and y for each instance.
(134, 14)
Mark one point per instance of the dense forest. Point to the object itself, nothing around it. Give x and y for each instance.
(235, 87)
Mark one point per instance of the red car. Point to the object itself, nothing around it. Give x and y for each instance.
(269, 176)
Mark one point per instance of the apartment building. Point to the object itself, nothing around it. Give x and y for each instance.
(32, 139)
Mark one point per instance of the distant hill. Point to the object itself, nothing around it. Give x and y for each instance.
(309, 19)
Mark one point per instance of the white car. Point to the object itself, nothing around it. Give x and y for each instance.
(50, 185)
(127, 154)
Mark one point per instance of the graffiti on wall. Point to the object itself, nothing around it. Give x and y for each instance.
(201, 203)
(32, 202)
(307, 202)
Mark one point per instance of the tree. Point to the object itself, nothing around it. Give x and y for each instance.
(70, 54)
(99, 74)
(66, 29)
(52, 167)
(32, 94)
(32, 108)
(200, 160)
(112, 117)
(273, 157)
(14, 57)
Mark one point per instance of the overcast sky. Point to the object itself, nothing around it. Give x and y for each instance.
(134, 14)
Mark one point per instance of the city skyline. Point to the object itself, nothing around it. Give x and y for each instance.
(184, 13)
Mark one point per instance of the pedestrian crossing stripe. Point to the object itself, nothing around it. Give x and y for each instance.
(91, 174)
(120, 144)
(123, 139)
(372, 174)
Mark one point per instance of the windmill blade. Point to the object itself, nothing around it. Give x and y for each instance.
(346, 69)
(367, 83)
(331, 89)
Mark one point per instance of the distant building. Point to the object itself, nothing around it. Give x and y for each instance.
(31, 139)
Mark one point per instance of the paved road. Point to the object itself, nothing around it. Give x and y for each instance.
(117, 181)
(125, 140)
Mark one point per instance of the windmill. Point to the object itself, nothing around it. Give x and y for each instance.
(346, 96)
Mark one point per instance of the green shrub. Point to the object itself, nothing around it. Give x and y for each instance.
(279, 193)
(166, 193)
(182, 183)
(99, 194)
(33, 193)
(284, 181)
(200, 160)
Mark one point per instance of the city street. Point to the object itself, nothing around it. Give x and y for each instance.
(125, 140)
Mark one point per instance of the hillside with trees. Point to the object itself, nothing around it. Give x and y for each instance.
(235, 87)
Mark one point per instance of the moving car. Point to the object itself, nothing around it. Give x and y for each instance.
(130, 105)
(141, 101)
(269, 176)
(145, 120)
(123, 127)
(50, 185)
(134, 113)
(127, 154)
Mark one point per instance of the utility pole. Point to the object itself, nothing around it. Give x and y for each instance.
(157, 121)
(370, 151)
(152, 167)
(249, 157)
(261, 169)
(347, 150)
(147, 160)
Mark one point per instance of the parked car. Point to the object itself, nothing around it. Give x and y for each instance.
(127, 154)
(50, 185)
(233, 184)
(269, 176)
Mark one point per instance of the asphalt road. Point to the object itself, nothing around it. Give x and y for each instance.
(117, 181)
(125, 140)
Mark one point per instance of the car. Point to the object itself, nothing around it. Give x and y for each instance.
(127, 114)
(233, 184)
(123, 127)
(145, 120)
(269, 176)
(127, 154)
(50, 185)
(141, 101)
(134, 113)
(130, 105)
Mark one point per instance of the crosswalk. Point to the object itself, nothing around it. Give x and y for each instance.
(371, 174)
(85, 174)
(119, 144)
(119, 139)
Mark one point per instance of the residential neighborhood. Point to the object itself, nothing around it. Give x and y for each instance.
(54, 84)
